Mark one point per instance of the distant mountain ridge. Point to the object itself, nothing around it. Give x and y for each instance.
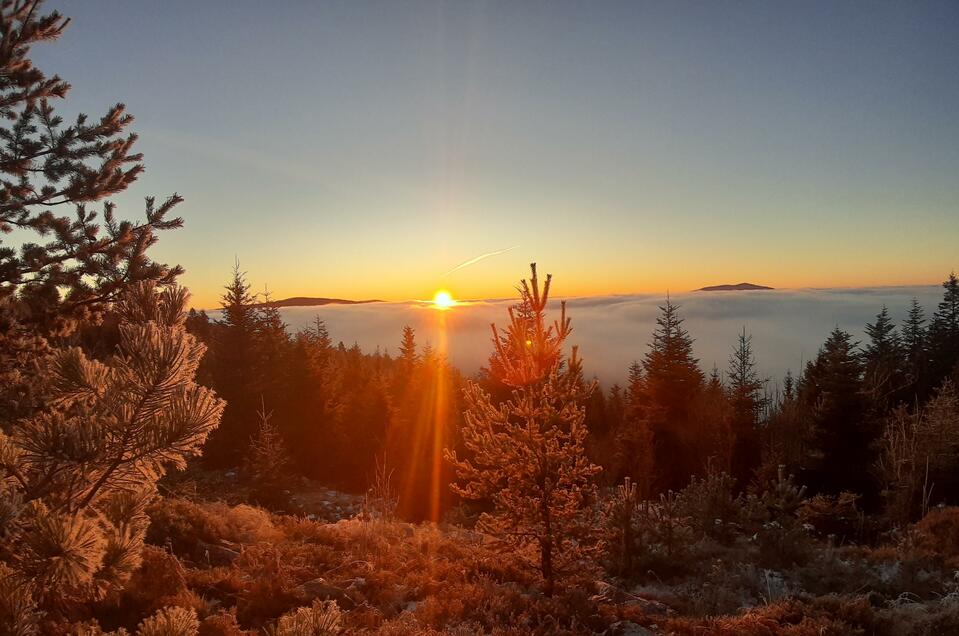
(736, 287)
(309, 301)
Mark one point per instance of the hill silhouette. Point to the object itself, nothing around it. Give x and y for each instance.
(736, 287)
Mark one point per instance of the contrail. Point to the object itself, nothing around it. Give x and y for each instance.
(477, 259)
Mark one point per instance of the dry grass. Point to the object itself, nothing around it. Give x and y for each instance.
(390, 578)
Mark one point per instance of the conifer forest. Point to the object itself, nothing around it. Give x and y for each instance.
(190, 462)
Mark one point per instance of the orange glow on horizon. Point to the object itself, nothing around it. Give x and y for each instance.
(571, 282)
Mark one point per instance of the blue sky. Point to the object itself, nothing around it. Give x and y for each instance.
(362, 149)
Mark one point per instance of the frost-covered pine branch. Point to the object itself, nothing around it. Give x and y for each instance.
(78, 475)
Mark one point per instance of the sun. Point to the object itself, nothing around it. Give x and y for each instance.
(443, 300)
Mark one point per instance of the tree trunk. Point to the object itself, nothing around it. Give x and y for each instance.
(546, 565)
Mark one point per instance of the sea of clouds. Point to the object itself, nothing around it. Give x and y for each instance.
(787, 326)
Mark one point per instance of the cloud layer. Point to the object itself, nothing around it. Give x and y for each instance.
(612, 331)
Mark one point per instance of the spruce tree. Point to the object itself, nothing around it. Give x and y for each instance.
(615, 407)
(832, 389)
(408, 355)
(268, 460)
(672, 372)
(527, 454)
(787, 431)
(313, 396)
(671, 381)
(238, 308)
(635, 391)
(603, 447)
(914, 345)
(944, 333)
(319, 335)
(236, 373)
(883, 360)
(789, 385)
(708, 436)
(271, 349)
(744, 389)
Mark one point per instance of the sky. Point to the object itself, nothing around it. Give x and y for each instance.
(364, 149)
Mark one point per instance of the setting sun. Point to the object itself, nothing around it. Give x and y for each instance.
(443, 300)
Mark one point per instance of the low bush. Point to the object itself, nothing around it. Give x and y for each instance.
(189, 529)
(938, 532)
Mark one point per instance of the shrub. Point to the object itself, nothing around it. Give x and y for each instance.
(153, 586)
(171, 621)
(938, 532)
(621, 528)
(782, 538)
(711, 507)
(663, 539)
(269, 462)
(189, 528)
(837, 516)
(323, 618)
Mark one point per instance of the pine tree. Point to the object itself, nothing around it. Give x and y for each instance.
(604, 447)
(633, 442)
(81, 471)
(60, 268)
(787, 433)
(744, 383)
(272, 349)
(615, 407)
(313, 399)
(597, 421)
(408, 354)
(747, 403)
(710, 436)
(914, 345)
(883, 360)
(672, 373)
(832, 390)
(944, 333)
(528, 456)
(238, 307)
(884, 342)
(671, 381)
(635, 395)
(267, 459)
(789, 386)
(319, 336)
(236, 373)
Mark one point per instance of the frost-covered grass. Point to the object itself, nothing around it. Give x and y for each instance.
(242, 569)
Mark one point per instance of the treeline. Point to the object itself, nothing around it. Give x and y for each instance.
(879, 418)
(341, 413)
